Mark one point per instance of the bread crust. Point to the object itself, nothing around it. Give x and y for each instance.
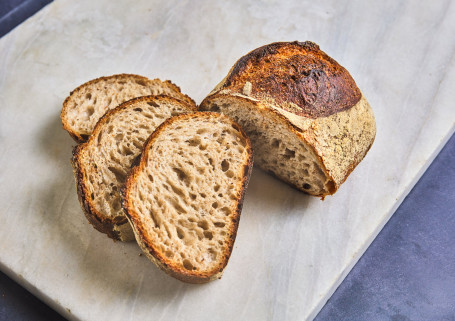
(110, 226)
(338, 131)
(83, 138)
(147, 244)
(297, 76)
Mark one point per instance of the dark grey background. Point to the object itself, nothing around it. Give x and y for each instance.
(408, 273)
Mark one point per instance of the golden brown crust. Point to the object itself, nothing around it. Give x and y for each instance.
(79, 138)
(298, 76)
(99, 221)
(147, 244)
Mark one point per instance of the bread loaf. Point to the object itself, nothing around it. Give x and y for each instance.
(308, 121)
(103, 162)
(185, 197)
(89, 102)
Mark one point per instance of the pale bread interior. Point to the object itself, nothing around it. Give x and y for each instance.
(108, 155)
(185, 196)
(277, 149)
(86, 106)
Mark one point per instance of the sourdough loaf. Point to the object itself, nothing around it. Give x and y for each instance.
(308, 121)
(103, 162)
(89, 102)
(185, 196)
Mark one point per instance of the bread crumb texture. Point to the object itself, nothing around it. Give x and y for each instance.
(185, 197)
(117, 140)
(90, 101)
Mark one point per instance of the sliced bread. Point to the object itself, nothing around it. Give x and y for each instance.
(308, 121)
(89, 102)
(103, 162)
(185, 196)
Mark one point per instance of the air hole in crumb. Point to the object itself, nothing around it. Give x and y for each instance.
(215, 108)
(208, 235)
(194, 141)
(201, 131)
(90, 111)
(150, 178)
(306, 186)
(219, 224)
(203, 195)
(288, 154)
(119, 174)
(178, 207)
(224, 165)
(230, 174)
(88, 96)
(168, 253)
(138, 109)
(188, 265)
(203, 224)
(92, 196)
(193, 196)
(275, 143)
(226, 210)
(98, 139)
(152, 103)
(116, 205)
(180, 233)
(127, 151)
(141, 82)
(202, 147)
(215, 204)
(216, 188)
(180, 174)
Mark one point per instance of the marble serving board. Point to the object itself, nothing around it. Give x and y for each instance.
(292, 250)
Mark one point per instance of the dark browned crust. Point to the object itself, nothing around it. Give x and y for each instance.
(98, 220)
(141, 236)
(83, 138)
(296, 73)
(205, 105)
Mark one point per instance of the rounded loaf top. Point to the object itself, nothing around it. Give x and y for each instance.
(297, 76)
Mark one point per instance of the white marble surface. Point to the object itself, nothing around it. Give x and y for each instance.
(292, 250)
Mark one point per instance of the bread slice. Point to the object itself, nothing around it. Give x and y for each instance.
(103, 162)
(89, 102)
(185, 197)
(308, 122)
